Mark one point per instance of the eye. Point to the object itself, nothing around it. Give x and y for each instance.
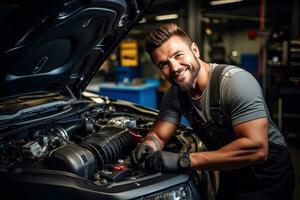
(178, 56)
(162, 65)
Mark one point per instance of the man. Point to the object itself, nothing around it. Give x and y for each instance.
(244, 144)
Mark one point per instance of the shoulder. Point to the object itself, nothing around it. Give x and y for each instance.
(236, 77)
(232, 75)
(230, 70)
(239, 86)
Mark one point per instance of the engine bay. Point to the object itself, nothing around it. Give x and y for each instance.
(94, 144)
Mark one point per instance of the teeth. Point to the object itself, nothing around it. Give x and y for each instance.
(181, 73)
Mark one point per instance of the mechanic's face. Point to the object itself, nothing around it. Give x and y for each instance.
(178, 62)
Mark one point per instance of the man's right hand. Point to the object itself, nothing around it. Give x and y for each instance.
(141, 152)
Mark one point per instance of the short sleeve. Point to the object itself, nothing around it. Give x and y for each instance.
(243, 97)
(170, 109)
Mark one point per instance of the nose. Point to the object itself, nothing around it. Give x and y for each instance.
(174, 65)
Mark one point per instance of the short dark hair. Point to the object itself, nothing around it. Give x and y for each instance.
(161, 34)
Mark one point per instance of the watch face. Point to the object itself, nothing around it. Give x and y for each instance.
(184, 160)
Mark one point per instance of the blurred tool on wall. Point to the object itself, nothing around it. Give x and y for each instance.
(128, 69)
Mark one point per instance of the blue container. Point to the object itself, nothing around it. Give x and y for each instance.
(144, 94)
(152, 81)
(250, 62)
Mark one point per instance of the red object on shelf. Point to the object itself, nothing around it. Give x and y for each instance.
(252, 34)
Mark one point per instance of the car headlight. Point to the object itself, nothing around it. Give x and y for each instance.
(178, 193)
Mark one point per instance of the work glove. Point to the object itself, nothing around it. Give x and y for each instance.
(163, 161)
(140, 153)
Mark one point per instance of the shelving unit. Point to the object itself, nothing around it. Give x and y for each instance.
(283, 81)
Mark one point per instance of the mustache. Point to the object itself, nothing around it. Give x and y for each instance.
(175, 73)
(179, 71)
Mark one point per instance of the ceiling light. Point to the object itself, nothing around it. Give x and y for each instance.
(219, 2)
(166, 17)
(208, 31)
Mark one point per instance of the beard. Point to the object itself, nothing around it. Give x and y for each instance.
(189, 81)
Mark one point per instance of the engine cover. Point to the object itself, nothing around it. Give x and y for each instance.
(74, 159)
(109, 145)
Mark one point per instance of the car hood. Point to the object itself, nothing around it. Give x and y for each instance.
(58, 45)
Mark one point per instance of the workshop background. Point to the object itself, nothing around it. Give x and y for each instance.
(261, 36)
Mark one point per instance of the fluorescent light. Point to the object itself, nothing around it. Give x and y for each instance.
(213, 3)
(166, 17)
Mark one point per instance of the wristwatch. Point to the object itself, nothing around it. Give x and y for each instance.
(184, 160)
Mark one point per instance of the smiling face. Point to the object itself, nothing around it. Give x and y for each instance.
(178, 61)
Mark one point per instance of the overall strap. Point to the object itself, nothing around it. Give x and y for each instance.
(214, 98)
(215, 85)
(215, 107)
(218, 131)
(184, 101)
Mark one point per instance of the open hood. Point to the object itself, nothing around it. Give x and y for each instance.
(58, 45)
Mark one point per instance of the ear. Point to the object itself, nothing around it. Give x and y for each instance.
(195, 50)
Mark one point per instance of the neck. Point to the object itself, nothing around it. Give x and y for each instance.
(201, 80)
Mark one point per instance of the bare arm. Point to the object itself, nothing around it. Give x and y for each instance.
(160, 133)
(251, 146)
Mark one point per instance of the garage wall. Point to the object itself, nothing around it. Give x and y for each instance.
(234, 41)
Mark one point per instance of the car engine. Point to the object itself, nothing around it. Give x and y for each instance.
(94, 144)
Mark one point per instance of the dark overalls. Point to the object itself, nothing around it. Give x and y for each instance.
(272, 179)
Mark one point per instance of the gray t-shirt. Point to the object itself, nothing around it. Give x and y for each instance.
(240, 96)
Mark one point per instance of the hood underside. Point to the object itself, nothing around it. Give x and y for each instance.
(55, 45)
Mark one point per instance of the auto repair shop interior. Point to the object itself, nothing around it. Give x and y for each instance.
(260, 36)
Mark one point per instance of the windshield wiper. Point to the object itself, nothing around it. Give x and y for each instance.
(32, 111)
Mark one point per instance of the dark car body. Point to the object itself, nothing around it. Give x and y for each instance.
(58, 142)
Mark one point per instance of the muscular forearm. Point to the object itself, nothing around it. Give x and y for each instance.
(239, 153)
(160, 133)
(154, 140)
